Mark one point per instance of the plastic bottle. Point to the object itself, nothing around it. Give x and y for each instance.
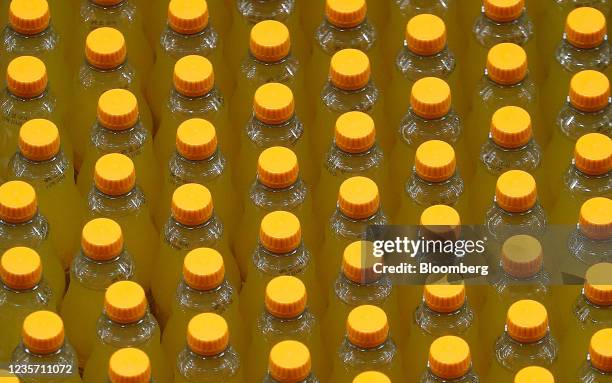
(203, 288)
(192, 224)
(129, 365)
(21, 224)
(101, 261)
(116, 195)
(597, 367)
(119, 129)
(367, 345)
(44, 345)
(126, 322)
(42, 163)
(590, 241)
(290, 361)
(209, 356)
(449, 361)
(534, 374)
(371, 377)
(23, 291)
(285, 316)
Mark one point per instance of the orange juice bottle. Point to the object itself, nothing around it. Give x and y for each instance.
(589, 242)
(597, 367)
(289, 362)
(129, 365)
(450, 360)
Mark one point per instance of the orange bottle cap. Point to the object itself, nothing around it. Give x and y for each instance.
(598, 284)
(273, 103)
(26, 77)
(349, 69)
(355, 132)
(207, 334)
(102, 239)
(522, 256)
(367, 326)
(593, 154)
(193, 76)
(117, 109)
(285, 297)
(426, 34)
(435, 161)
(358, 262)
(516, 191)
(441, 221)
(289, 362)
(20, 268)
(43, 332)
(534, 374)
(596, 218)
(270, 41)
(39, 140)
(503, 11)
(17, 202)
(192, 204)
(371, 377)
(358, 197)
(125, 302)
(345, 13)
(280, 232)
(445, 297)
(203, 269)
(105, 48)
(196, 139)
(449, 357)
(129, 365)
(507, 64)
(585, 27)
(188, 17)
(527, 321)
(600, 350)
(511, 127)
(430, 98)
(589, 91)
(114, 174)
(277, 167)
(29, 17)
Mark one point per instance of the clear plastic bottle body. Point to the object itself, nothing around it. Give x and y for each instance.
(224, 367)
(587, 250)
(501, 224)
(415, 67)
(512, 355)
(574, 123)
(64, 361)
(590, 374)
(430, 377)
(351, 360)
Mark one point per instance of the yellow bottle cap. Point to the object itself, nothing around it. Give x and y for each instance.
(349, 69)
(188, 17)
(39, 140)
(435, 161)
(507, 64)
(345, 13)
(367, 326)
(129, 365)
(425, 34)
(595, 219)
(358, 197)
(43, 332)
(102, 239)
(280, 232)
(114, 174)
(589, 91)
(117, 109)
(193, 76)
(371, 377)
(289, 362)
(600, 350)
(593, 154)
(511, 127)
(534, 374)
(522, 256)
(444, 298)
(503, 11)
(516, 191)
(196, 139)
(20, 268)
(203, 269)
(29, 17)
(17, 202)
(585, 27)
(277, 167)
(105, 48)
(26, 77)
(192, 204)
(598, 284)
(285, 297)
(355, 132)
(441, 221)
(358, 262)
(430, 98)
(125, 302)
(273, 103)
(449, 357)
(270, 41)
(207, 334)
(527, 321)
